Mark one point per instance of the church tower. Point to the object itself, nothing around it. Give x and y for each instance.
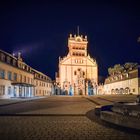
(78, 72)
(77, 45)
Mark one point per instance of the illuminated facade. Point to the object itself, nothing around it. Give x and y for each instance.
(124, 83)
(78, 72)
(17, 79)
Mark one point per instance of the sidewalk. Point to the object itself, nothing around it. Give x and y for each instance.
(10, 101)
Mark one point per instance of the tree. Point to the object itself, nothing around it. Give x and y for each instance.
(129, 66)
(118, 68)
(111, 71)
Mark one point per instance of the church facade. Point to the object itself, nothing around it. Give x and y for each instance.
(78, 72)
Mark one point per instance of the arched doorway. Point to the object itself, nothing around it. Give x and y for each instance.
(112, 91)
(117, 91)
(80, 92)
(121, 91)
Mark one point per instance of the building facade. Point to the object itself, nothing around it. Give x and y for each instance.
(78, 72)
(127, 82)
(17, 79)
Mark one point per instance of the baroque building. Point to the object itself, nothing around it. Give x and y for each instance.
(78, 72)
(17, 79)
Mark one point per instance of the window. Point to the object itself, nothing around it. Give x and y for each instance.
(134, 90)
(36, 83)
(31, 81)
(8, 59)
(9, 75)
(20, 78)
(127, 76)
(15, 77)
(23, 66)
(14, 62)
(2, 90)
(2, 74)
(9, 90)
(28, 80)
(75, 73)
(25, 79)
(2, 57)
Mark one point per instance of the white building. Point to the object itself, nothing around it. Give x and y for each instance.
(78, 72)
(17, 79)
(124, 83)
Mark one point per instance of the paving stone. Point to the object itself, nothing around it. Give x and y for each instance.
(55, 126)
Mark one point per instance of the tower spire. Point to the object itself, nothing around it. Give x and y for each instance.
(78, 30)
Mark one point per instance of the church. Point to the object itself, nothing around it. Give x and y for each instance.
(78, 72)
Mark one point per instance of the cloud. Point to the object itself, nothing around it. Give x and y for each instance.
(26, 49)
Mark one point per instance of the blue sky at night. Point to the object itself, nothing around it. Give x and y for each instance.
(41, 30)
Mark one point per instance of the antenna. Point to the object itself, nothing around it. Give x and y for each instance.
(78, 30)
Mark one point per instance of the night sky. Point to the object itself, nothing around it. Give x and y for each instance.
(40, 32)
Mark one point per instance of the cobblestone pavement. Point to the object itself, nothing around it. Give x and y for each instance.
(68, 118)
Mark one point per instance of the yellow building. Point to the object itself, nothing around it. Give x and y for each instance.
(17, 79)
(78, 72)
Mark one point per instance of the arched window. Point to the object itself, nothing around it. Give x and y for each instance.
(121, 91)
(117, 91)
(127, 90)
(112, 91)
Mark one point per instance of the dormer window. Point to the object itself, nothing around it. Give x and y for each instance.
(127, 75)
(8, 59)
(2, 57)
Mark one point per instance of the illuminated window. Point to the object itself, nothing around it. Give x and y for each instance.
(2, 90)
(9, 75)
(127, 75)
(2, 74)
(20, 78)
(24, 78)
(15, 77)
(23, 66)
